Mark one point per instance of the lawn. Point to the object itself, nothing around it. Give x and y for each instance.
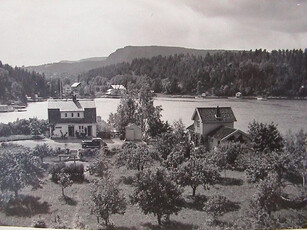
(47, 205)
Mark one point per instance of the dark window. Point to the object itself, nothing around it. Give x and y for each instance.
(78, 114)
(65, 114)
(72, 114)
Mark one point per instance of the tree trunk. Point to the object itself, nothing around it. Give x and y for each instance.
(16, 193)
(194, 190)
(159, 219)
(106, 221)
(63, 192)
(97, 219)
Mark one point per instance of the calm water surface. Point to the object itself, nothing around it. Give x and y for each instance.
(288, 114)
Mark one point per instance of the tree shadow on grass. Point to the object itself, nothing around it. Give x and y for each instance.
(195, 202)
(68, 200)
(227, 181)
(172, 225)
(26, 206)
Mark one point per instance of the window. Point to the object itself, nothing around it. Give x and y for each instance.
(65, 114)
(198, 123)
(78, 114)
(72, 114)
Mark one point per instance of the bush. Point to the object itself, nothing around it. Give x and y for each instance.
(89, 152)
(75, 171)
(23, 127)
(99, 168)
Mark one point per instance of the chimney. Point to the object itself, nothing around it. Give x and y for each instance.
(218, 113)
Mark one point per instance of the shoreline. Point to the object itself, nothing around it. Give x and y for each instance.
(186, 96)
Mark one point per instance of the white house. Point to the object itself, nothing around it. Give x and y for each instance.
(72, 118)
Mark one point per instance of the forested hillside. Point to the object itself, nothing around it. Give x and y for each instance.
(16, 83)
(276, 73)
(71, 69)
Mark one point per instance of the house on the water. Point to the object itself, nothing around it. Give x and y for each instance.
(215, 125)
(116, 90)
(72, 118)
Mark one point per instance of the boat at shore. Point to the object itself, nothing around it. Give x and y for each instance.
(262, 99)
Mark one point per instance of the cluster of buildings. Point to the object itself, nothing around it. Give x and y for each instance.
(77, 118)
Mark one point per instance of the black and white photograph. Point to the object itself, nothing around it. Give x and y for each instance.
(153, 114)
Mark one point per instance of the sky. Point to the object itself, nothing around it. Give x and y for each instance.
(34, 32)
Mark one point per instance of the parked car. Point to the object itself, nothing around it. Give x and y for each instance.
(94, 143)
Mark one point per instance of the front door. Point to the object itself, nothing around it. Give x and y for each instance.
(71, 131)
(89, 130)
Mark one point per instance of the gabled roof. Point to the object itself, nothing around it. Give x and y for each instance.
(223, 133)
(191, 127)
(215, 114)
(118, 87)
(70, 105)
(75, 85)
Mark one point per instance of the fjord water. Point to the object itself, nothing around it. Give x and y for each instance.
(288, 114)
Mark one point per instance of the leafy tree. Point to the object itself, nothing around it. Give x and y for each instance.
(135, 156)
(227, 154)
(217, 205)
(156, 193)
(197, 170)
(18, 168)
(107, 199)
(125, 114)
(99, 168)
(267, 196)
(265, 137)
(295, 148)
(35, 127)
(42, 151)
(64, 181)
(139, 109)
(262, 165)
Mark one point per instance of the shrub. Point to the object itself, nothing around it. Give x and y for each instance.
(89, 152)
(55, 170)
(99, 168)
(75, 172)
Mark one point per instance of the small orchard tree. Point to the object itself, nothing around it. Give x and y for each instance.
(107, 199)
(64, 181)
(226, 155)
(99, 168)
(265, 137)
(135, 156)
(35, 127)
(18, 168)
(156, 193)
(295, 157)
(217, 205)
(267, 196)
(42, 151)
(262, 165)
(196, 171)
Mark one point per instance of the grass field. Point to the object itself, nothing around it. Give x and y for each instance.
(47, 205)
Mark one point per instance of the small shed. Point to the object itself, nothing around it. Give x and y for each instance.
(133, 133)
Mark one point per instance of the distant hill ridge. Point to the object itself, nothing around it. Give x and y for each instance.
(127, 54)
